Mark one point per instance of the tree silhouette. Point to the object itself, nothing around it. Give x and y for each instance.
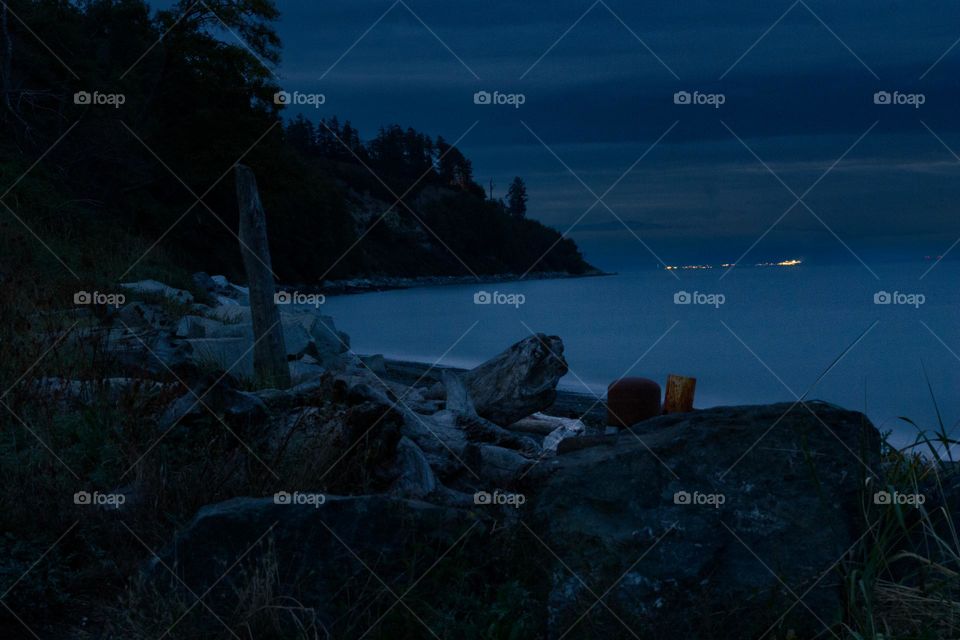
(517, 198)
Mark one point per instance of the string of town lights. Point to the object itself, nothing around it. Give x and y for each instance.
(793, 262)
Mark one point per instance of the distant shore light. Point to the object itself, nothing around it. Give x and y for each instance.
(791, 262)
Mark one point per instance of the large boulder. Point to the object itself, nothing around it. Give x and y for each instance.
(518, 382)
(327, 343)
(718, 519)
(732, 519)
(339, 558)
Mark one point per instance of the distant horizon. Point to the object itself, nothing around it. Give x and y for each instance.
(628, 262)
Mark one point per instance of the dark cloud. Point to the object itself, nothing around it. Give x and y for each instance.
(798, 98)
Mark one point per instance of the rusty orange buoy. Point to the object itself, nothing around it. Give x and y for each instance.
(631, 400)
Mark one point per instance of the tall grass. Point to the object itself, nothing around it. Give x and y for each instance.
(903, 579)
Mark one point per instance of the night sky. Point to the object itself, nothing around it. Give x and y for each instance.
(689, 181)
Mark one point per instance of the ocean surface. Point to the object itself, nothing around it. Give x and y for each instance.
(755, 335)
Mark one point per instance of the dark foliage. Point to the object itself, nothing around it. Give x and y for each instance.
(158, 167)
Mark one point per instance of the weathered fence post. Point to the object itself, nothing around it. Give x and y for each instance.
(679, 394)
(269, 351)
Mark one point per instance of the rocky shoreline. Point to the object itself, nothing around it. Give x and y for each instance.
(471, 484)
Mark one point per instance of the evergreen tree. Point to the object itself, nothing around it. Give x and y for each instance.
(302, 136)
(517, 198)
(452, 166)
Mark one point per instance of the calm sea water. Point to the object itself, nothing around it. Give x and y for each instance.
(812, 331)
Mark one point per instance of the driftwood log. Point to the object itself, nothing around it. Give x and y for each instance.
(269, 350)
(518, 382)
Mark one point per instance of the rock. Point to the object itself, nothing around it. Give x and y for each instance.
(567, 445)
(204, 281)
(502, 468)
(153, 287)
(232, 355)
(415, 477)
(692, 514)
(519, 382)
(370, 433)
(140, 315)
(458, 398)
(232, 313)
(415, 398)
(301, 371)
(678, 525)
(197, 327)
(298, 340)
(154, 355)
(538, 423)
(216, 329)
(444, 445)
(375, 363)
(328, 342)
(229, 293)
(317, 550)
(304, 392)
(304, 333)
(564, 429)
(217, 394)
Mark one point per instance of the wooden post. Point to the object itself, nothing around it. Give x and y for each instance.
(679, 394)
(269, 351)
